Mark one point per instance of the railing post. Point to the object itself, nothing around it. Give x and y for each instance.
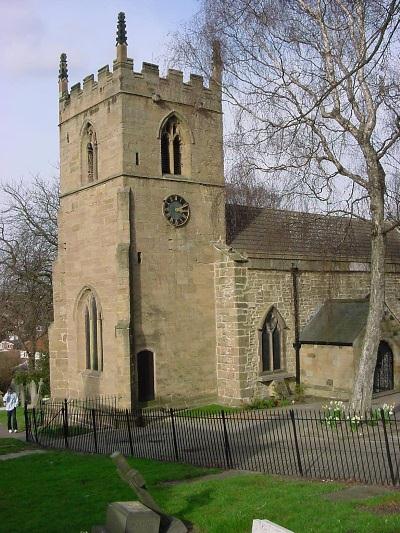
(296, 443)
(94, 429)
(171, 412)
(129, 431)
(65, 423)
(34, 424)
(228, 457)
(26, 421)
(389, 457)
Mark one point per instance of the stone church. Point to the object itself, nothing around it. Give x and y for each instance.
(165, 295)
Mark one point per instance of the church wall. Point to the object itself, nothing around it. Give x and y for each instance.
(100, 106)
(93, 253)
(328, 370)
(252, 292)
(173, 289)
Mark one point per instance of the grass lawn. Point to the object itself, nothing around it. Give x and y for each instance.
(11, 445)
(20, 418)
(65, 492)
(213, 409)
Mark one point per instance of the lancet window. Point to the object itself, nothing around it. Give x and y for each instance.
(171, 147)
(272, 342)
(91, 332)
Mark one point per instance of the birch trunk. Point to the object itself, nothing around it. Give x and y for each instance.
(363, 383)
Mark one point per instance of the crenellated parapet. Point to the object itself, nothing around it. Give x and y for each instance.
(148, 83)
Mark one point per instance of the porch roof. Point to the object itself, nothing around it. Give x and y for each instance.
(338, 322)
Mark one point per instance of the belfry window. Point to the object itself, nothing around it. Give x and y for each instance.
(165, 153)
(171, 147)
(90, 161)
(272, 342)
(92, 338)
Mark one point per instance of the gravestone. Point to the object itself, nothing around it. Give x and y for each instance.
(33, 393)
(136, 517)
(265, 526)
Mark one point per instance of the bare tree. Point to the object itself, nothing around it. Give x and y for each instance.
(243, 188)
(316, 87)
(28, 244)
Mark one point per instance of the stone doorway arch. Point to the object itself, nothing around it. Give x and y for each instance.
(383, 376)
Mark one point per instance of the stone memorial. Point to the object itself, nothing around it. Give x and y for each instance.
(265, 526)
(143, 516)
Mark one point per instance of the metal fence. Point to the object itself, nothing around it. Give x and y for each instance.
(285, 442)
(105, 402)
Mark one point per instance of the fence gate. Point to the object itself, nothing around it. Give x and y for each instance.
(383, 377)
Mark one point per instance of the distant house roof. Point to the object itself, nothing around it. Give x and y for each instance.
(262, 232)
(338, 322)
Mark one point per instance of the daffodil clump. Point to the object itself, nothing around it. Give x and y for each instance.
(333, 412)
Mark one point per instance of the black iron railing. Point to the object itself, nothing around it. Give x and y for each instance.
(284, 442)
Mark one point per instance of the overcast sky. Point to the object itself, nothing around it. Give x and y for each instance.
(33, 33)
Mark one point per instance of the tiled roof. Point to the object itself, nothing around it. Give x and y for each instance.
(337, 322)
(264, 232)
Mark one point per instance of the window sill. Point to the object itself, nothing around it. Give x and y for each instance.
(277, 375)
(92, 373)
(176, 176)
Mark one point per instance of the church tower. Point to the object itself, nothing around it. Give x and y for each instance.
(142, 201)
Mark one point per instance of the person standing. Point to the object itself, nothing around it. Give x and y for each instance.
(10, 401)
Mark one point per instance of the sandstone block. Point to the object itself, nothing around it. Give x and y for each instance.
(131, 517)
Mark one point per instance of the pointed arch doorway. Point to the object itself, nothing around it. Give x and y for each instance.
(383, 376)
(145, 374)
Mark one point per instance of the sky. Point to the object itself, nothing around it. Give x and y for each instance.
(33, 34)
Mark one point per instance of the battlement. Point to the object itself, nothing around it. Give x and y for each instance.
(146, 83)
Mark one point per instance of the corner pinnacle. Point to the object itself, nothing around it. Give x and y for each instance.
(121, 29)
(63, 71)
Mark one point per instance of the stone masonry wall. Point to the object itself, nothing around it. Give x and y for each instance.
(93, 254)
(243, 297)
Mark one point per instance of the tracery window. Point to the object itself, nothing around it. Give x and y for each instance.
(171, 147)
(91, 332)
(272, 342)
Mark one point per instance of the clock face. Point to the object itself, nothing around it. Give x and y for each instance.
(176, 210)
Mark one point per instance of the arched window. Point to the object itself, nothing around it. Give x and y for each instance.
(171, 147)
(90, 329)
(272, 342)
(90, 161)
(89, 154)
(165, 153)
(87, 336)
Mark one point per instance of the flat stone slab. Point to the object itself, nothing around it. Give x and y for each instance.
(131, 517)
(265, 526)
(16, 455)
(358, 492)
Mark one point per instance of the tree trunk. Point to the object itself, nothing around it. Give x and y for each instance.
(363, 382)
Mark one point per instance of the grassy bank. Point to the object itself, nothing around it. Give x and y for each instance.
(65, 492)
